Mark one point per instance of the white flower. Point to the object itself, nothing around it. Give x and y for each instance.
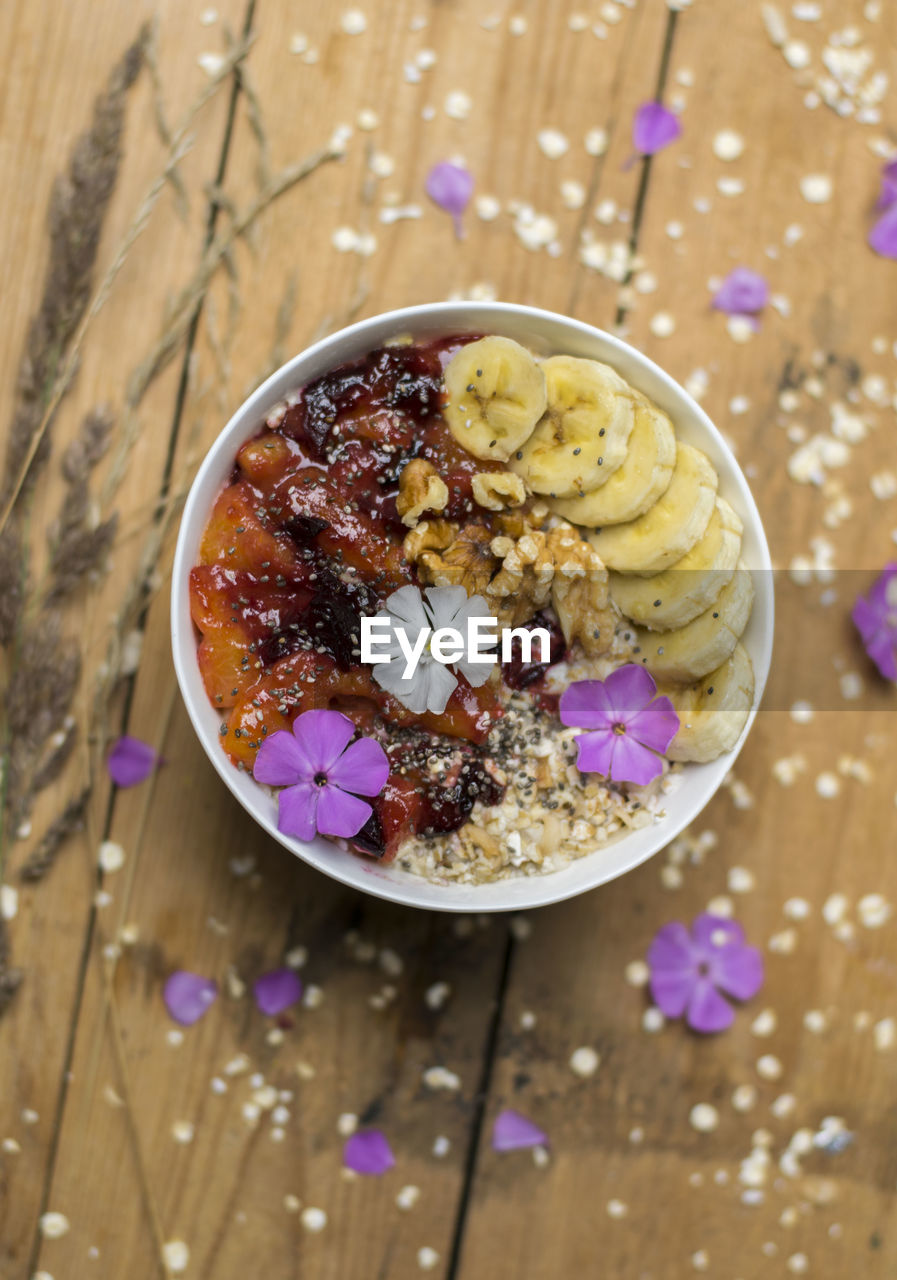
(432, 683)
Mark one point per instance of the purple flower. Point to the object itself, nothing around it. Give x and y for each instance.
(653, 128)
(888, 194)
(743, 292)
(883, 236)
(368, 1153)
(187, 996)
(512, 1131)
(875, 617)
(130, 761)
(689, 970)
(276, 991)
(626, 728)
(322, 774)
(451, 187)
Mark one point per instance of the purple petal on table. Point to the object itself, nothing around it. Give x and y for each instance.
(738, 970)
(654, 128)
(710, 933)
(595, 752)
(888, 195)
(672, 948)
(131, 761)
(632, 762)
(743, 292)
(362, 768)
(450, 186)
(585, 705)
(281, 761)
(656, 726)
(671, 990)
(511, 1131)
(297, 808)
(708, 1011)
(875, 617)
(339, 813)
(322, 737)
(629, 690)
(883, 236)
(276, 991)
(368, 1152)
(882, 649)
(187, 996)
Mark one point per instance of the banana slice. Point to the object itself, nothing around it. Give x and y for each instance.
(692, 651)
(583, 438)
(496, 395)
(670, 529)
(676, 596)
(641, 479)
(713, 713)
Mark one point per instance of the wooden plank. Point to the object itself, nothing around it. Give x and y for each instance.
(59, 62)
(632, 1188)
(223, 1193)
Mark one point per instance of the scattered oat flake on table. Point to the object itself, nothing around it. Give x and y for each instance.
(552, 143)
(211, 63)
(313, 1219)
(131, 761)
(704, 1117)
(111, 857)
(188, 996)
(513, 1131)
(176, 1255)
(427, 1258)
(450, 187)
(353, 22)
(368, 1152)
(457, 104)
(816, 188)
(584, 1061)
(9, 902)
(653, 128)
(693, 970)
(727, 144)
(276, 991)
(53, 1225)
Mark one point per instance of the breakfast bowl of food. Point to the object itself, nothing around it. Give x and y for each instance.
(472, 606)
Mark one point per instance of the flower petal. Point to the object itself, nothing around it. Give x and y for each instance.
(671, 992)
(280, 761)
(412, 693)
(131, 761)
(443, 604)
(656, 726)
(450, 187)
(672, 948)
(632, 762)
(187, 996)
(710, 933)
(406, 605)
(883, 236)
(277, 990)
(743, 292)
(439, 684)
(888, 194)
(368, 1153)
(654, 128)
(322, 737)
(339, 813)
(362, 768)
(511, 1131)
(595, 751)
(707, 1010)
(297, 807)
(585, 704)
(629, 690)
(738, 970)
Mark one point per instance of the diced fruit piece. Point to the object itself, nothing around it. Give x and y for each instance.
(227, 666)
(266, 457)
(239, 537)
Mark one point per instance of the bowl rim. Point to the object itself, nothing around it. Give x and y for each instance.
(356, 872)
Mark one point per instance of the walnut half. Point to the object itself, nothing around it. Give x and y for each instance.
(498, 490)
(420, 489)
(579, 592)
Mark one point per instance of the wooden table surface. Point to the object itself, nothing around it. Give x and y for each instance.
(201, 1152)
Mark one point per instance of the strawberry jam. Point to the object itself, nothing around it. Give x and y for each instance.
(306, 540)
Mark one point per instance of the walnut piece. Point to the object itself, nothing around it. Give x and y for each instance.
(468, 561)
(579, 594)
(497, 490)
(522, 585)
(430, 535)
(420, 489)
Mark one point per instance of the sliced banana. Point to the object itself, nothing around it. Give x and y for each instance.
(670, 529)
(690, 652)
(583, 437)
(713, 713)
(496, 395)
(641, 479)
(676, 596)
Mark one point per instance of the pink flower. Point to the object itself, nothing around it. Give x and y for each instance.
(368, 1152)
(188, 996)
(451, 187)
(130, 761)
(743, 292)
(883, 236)
(875, 617)
(627, 729)
(653, 128)
(322, 775)
(276, 991)
(512, 1131)
(689, 970)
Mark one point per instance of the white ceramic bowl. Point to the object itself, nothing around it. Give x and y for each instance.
(545, 333)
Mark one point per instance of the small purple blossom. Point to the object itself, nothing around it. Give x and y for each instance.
(888, 194)
(883, 236)
(628, 732)
(690, 970)
(653, 128)
(322, 775)
(368, 1152)
(512, 1131)
(875, 617)
(188, 996)
(131, 761)
(276, 991)
(450, 186)
(743, 292)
